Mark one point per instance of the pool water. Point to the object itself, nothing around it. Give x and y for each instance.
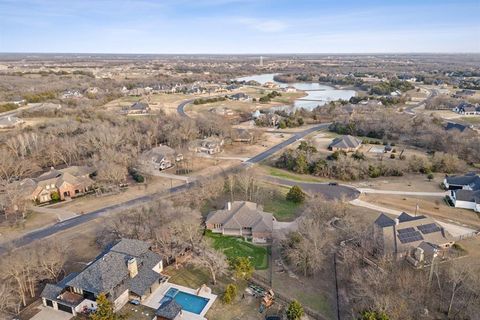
(189, 302)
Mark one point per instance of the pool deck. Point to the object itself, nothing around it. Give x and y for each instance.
(154, 300)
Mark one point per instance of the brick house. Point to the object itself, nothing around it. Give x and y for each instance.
(243, 219)
(69, 182)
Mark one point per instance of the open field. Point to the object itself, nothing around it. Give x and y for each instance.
(236, 247)
(432, 206)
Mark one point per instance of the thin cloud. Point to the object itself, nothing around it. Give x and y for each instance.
(263, 25)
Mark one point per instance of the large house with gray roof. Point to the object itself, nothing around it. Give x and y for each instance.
(464, 191)
(243, 219)
(345, 143)
(417, 237)
(127, 270)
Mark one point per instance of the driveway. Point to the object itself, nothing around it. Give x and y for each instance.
(51, 314)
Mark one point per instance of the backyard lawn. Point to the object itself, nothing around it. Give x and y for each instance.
(281, 208)
(237, 247)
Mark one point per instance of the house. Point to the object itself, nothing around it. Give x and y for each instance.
(241, 135)
(464, 191)
(469, 181)
(160, 158)
(240, 97)
(169, 310)
(67, 183)
(345, 143)
(223, 111)
(10, 122)
(243, 219)
(402, 236)
(270, 85)
(467, 109)
(127, 270)
(71, 94)
(210, 145)
(137, 108)
(289, 89)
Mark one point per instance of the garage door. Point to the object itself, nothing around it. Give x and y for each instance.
(64, 308)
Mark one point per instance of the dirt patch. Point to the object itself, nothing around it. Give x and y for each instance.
(408, 182)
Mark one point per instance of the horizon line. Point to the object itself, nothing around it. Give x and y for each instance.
(248, 54)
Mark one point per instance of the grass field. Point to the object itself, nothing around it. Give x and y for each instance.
(279, 173)
(237, 247)
(282, 209)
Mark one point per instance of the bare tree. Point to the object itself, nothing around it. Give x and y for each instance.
(214, 261)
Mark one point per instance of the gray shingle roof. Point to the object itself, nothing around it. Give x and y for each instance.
(467, 195)
(169, 309)
(52, 291)
(345, 142)
(384, 221)
(471, 179)
(110, 269)
(242, 214)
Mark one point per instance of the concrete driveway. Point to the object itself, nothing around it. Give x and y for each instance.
(51, 314)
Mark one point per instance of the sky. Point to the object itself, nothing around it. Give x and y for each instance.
(239, 26)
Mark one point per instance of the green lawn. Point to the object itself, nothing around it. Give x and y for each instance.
(284, 174)
(237, 247)
(282, 209)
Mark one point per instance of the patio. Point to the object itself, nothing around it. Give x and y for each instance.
(153, 301)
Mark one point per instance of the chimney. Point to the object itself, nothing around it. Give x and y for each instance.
(397, 221)
(132, 267)
(229, 206)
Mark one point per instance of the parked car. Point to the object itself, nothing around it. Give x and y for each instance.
(135, 302)
(333, 184)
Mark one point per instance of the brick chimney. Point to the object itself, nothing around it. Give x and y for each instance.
(132, 267)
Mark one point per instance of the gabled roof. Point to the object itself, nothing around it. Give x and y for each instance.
(110, 269)
(405, 217)
(469, 179)
(169, 309)
(345, 142)
(243, 214)
(384, 221)
(411, 231)
(467, 195)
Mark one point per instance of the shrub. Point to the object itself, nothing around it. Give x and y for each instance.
(55, 196)
(294, 311)
(430, 176)
(243, 267)
(230, 293)
(295, 194)
(392, 156)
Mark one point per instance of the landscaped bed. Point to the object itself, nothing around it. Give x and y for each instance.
(236, 247)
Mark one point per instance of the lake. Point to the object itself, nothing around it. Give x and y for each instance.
(317, 94)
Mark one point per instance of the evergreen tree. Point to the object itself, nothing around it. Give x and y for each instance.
(295, 194)
(294, 311)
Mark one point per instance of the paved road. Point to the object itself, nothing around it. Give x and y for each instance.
(297, 136)
(181, 107)
(78, 220)
(328, 191)
(431, 95)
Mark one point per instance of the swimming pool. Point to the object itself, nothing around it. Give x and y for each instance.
(189, 302)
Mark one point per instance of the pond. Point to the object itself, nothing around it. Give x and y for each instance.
(317, 94)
